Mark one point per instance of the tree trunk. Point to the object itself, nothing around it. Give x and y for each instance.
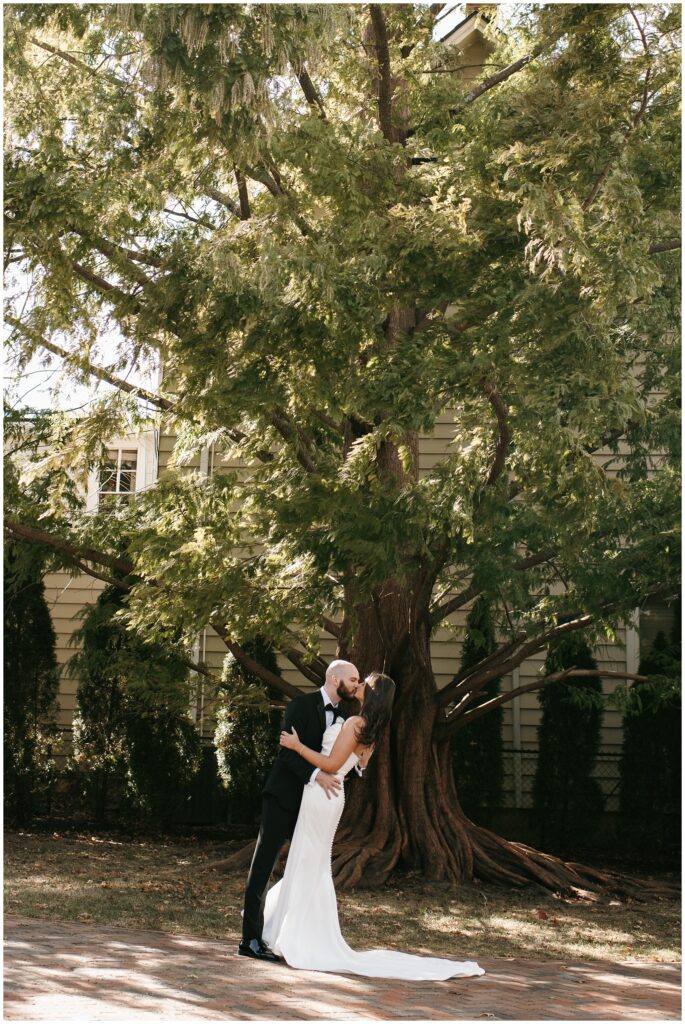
(405, 813)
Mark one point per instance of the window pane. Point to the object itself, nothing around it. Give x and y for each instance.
(127, 475)
(108, 477)
(118, 475)
(655, 616)
(127, 481)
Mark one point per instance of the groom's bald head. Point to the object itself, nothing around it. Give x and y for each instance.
(342, 678)
(339, 669)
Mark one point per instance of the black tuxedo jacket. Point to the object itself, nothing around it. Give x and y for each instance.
(290, 772)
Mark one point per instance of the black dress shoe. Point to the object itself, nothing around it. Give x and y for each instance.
(256, 949)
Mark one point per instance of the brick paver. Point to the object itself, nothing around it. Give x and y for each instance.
(55, 971)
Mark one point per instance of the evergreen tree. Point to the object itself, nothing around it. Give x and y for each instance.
(31, 680)
(651, 751)
(566, 798)
(132, 732)
(477, 749)
(246, 735)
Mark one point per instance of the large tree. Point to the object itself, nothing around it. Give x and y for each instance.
(330, 240)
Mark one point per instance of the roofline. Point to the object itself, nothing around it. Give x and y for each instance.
(454, 28)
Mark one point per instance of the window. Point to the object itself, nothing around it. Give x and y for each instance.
(118, 475)
(655, 617)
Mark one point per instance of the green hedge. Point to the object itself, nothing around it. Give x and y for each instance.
(477, 758)
(133, 739)
(651, 751)
(247, 730)
(566, 797)
(31, 681)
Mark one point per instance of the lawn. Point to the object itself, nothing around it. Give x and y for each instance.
(167, 884)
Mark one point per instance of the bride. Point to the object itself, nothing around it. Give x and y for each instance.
(301, 911)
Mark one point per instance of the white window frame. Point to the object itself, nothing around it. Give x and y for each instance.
(146, 447)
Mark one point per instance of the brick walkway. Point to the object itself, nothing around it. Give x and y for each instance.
(55, 971)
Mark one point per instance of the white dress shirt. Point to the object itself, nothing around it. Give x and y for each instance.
(330, 718)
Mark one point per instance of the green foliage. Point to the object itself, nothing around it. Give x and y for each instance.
(246, 735)
(651, 752)
(373, 290)
(31, 677)
(132, 732)
(566, 798)
(477, 748)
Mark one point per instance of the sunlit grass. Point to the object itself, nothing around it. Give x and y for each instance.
(168, 885)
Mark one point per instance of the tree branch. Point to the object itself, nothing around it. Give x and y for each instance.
(299, 660)
(237, 436)
(294, 435)
(78, 554)
(471, 592)
(603, 174)
(497, 79)
(311, 93)
(38, 536)
(331, 627)
(274, 185)
(665, 246)
(250, 665)
(538, 684)
(96, 371)
(504, 440)
(81, 65)
(224, 200)
(244, 211)
(385, 80)
(104, 286)
(112, 250)
(101, 576)
(201, 670)
(503, 660)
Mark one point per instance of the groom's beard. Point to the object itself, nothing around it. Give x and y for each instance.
(347, 698)
(350, 705)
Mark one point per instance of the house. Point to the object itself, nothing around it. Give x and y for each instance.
(137, 461)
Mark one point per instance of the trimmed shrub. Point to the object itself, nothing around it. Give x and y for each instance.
(31, 682)
(650, 755)
(246, 736)
(566, 797)
(133, 737)
(477, 757)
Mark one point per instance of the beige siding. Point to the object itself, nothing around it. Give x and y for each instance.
(66, 597)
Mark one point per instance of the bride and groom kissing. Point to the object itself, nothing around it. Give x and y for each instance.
(296, 920)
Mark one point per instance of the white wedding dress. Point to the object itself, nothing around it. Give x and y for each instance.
(301, 910)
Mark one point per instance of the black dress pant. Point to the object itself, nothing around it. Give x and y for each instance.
(277, 825)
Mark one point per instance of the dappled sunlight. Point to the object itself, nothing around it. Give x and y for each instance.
(166, 885)
(56, 970)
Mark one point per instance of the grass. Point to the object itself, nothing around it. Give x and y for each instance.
(166, 884)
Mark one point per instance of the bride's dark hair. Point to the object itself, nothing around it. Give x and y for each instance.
(376, 709)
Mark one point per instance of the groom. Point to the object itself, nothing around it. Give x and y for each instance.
(311, 714)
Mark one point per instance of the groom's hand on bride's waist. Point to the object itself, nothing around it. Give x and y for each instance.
(329, 783)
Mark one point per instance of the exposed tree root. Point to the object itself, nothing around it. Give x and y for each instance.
(238, 861)
(366, 861)
(242, 858)
(380, 833)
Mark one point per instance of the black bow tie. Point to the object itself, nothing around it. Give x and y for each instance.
(330, 707)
